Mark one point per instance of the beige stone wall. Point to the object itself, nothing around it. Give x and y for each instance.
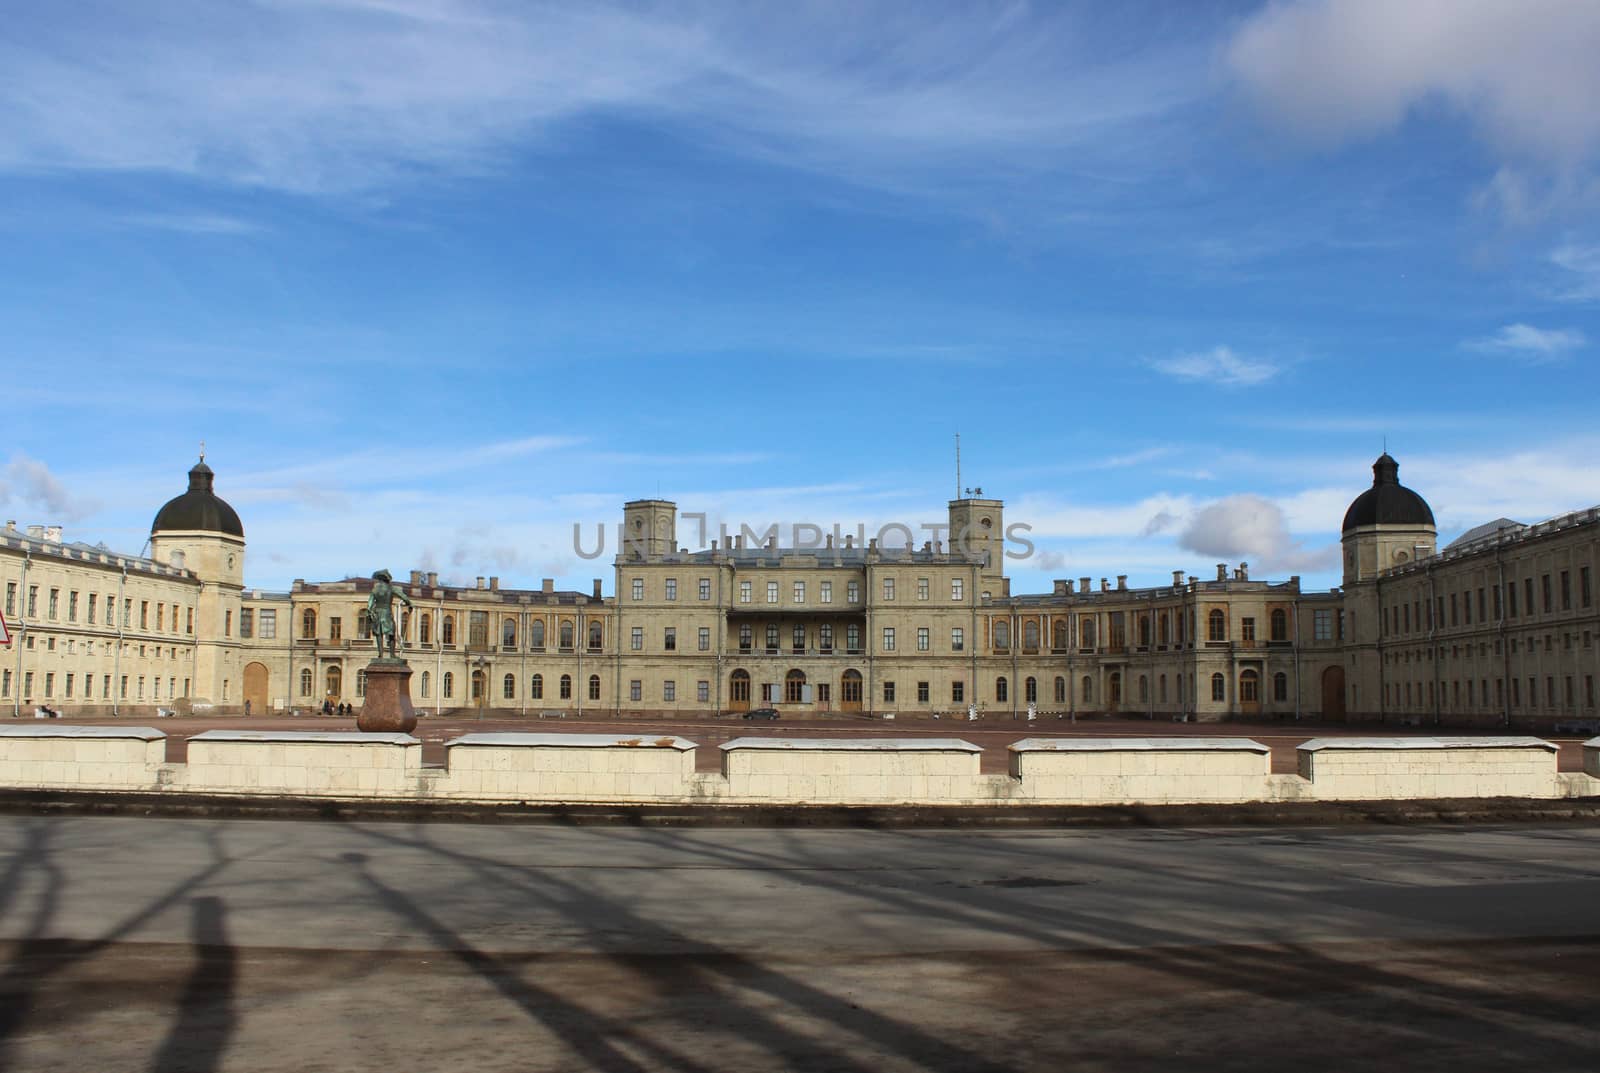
(862, 771)
(316, 764)
(567, 767)
(1142, 771)
(1380, 769)
(84, 758)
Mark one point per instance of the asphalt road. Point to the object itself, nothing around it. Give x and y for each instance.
(162, 944)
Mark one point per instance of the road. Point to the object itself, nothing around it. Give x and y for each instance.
(139, 943)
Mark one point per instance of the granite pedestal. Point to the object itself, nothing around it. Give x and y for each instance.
(387, 705)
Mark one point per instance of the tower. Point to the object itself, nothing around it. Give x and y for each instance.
(1386, 526)
(649, 529)
(977, 526)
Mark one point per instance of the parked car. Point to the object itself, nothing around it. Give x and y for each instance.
(761, 713)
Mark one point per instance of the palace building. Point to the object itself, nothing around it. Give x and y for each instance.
(1497, 628)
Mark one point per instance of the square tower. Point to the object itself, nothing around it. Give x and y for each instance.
(649, 529)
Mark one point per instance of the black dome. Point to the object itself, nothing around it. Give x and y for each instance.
(1387, 502)
(198, 509)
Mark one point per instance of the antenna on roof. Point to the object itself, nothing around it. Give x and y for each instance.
(202, 450)
(958, 465)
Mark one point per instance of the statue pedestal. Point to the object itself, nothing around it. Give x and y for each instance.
(387, 705)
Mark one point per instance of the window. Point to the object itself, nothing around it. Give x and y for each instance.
(1511, 599)
(744, 637)
(144, 611)
(1002, 635)
(636, 638)
(922, 588)
(669, 639)
(447, 630)
(704, 638)
(825, 637)
(308, 623)
(638, 588)
(11, 599)
(188, 619)
(1584, 592)
(227, 623)
(448, 685)
(669, 691)
(425, 629)
(798, 637)
(536, 687)
(1030, 690)
(1247, 630)
(922, 638)
(535, 633)
(565, 687)
(1280, 625)
(672, 588)
(564, 634)
(1030, 634)
(888, 589)
(772, 592)
(597, 637)
(247, 623)
(1280, 686)
(1566, 590)
(705, 588)
(852, 638)
(508, 632)
(1000, 689)
(594, 687)
(508, 687)
(958, 692)
(1219, 687)
(922, 692)
(827, 592)
(427, 683)
(772, 637)
(5, 682)
(267, 620)
(702, 691)
(1216, 625)
(1322, 624)
(33, 601)
(958, 588)
(852, 592)
(635, 689)
(478, 629)
(305, 683)
(72, 611)
(799, 592)
(744, 592)
(1249, 686)
(888, 692)
(1544, 589)
(55, 601)
(888, 638)
(958, 639)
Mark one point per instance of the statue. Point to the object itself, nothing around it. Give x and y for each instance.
(380, 610)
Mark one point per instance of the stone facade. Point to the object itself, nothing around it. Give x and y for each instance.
(1498, 628)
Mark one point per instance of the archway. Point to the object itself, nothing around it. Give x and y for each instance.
(255, 688)
(794, 687)
(1249, 693)
(1333, 694)
(739, 691)
(333, 684)
(850, 691)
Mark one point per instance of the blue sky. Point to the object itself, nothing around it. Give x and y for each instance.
(435, 280)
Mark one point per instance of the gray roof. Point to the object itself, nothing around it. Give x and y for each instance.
(1478, 532)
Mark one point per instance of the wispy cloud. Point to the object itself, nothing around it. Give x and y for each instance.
(1581, 265)
(193, 223)
(28, 482)
(1527, 343)
(1219, 365)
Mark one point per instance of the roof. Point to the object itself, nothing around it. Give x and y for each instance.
(199, 509)
(1387, 502)
(1478, 532)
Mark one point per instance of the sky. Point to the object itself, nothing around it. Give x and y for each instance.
(436, 281)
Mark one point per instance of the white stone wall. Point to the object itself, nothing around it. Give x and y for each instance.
(338, 764)
(567, 767)
(80, 758)
(1385, 769)
(851, 771)
(1086, 771)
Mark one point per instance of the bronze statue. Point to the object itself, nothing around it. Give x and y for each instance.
(380, 610)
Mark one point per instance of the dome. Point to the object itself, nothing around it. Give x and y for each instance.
(198, 509)
(1387, 502)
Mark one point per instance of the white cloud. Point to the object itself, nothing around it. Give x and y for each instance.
(193, 223)
(1529, 343)
(1582, 265)
(1333, 71)
(27, 482)
(1219, 365)
(1252, 529)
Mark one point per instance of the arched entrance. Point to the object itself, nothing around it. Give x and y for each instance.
(1249, 693)
(739, 691)
(1333, 694)
(1114, 692)
(794, 687)
(255, 688)
(480, 688)
(850, 691)
(333, 684)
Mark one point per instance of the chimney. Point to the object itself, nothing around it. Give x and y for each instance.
(1122, 581)
(1177, 579)
(738, 542)
(494, 584)
(547, 585)
(36, 532)
(1222, 571)
(1063, 587)
(1068, 584)
(480, 582)
(597, 595)
(1294, 582)
(849, 542)
(1193, 579)
(772, 543)
(1084, 586)
(1244, 571)
(416, 577)
(1105, 585)
(829, 544)
(52, 533)
(433, 580)
(11, 525)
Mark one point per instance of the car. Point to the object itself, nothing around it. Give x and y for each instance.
(761, 713)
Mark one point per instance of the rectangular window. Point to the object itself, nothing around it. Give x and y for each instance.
(1322, 625)
(957, 589)
(1247, 629)
(958, 639)
(922, 638)
(72, 608)
(1455, 611)
(958, 692)
(669, 690)
(268, 621)
(227, 623)
(669, 639)
(638, 588)
(5, 682)
(161, 617)
(798, 636)
(852, 593)
(672, 588)
(888, 589)
(636, 639)
(1511, 599)
(702, 691)
(1527, 603)
(1466, 607)
(922, 588)
(772, 592)
(55, 603)
(705, 638)
(93, 599)
(827, 592)
(11, 598)
(1544, 590)
(1584, 596)
(247, 622)
(744, 592)
(50, 684)
(1566, 590)
(188, 626)
(888, 692)
(922, 692)
(33, 601)
(705, 588)
(27, 685)
(799, 592)
(888, 638)
(636, 690)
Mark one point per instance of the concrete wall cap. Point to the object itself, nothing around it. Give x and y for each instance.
(830, 745)
(576, 741)
(1319, 744)
(331, 737)
(136, 733)
(1147, 745)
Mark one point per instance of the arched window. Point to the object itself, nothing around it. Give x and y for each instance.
(427, 682)
(850, 687)
(508, 632)
(536, 687)
(1161, 689)
(1216, 625)
(1061, 690)
(447, 630)
(1002, 635)
(508, 687)
(334, 682)
(536, 635)
(566, 633)
(1249, 686)
(1058, 635)
(305, 681)
(739, 687)
(1280, 625)
(1219, 688)
(1030, 634)
(405, 625)
(425, 630)
(1030, 691)
(1280, 686)
(566, 687)
(478, 686)
(361, 683)
(308, 623)
(594, 687)
(597, 637)
(1000, 692)
(448, 685)
(794, 687)
(1086, 688)
(1144, 688)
